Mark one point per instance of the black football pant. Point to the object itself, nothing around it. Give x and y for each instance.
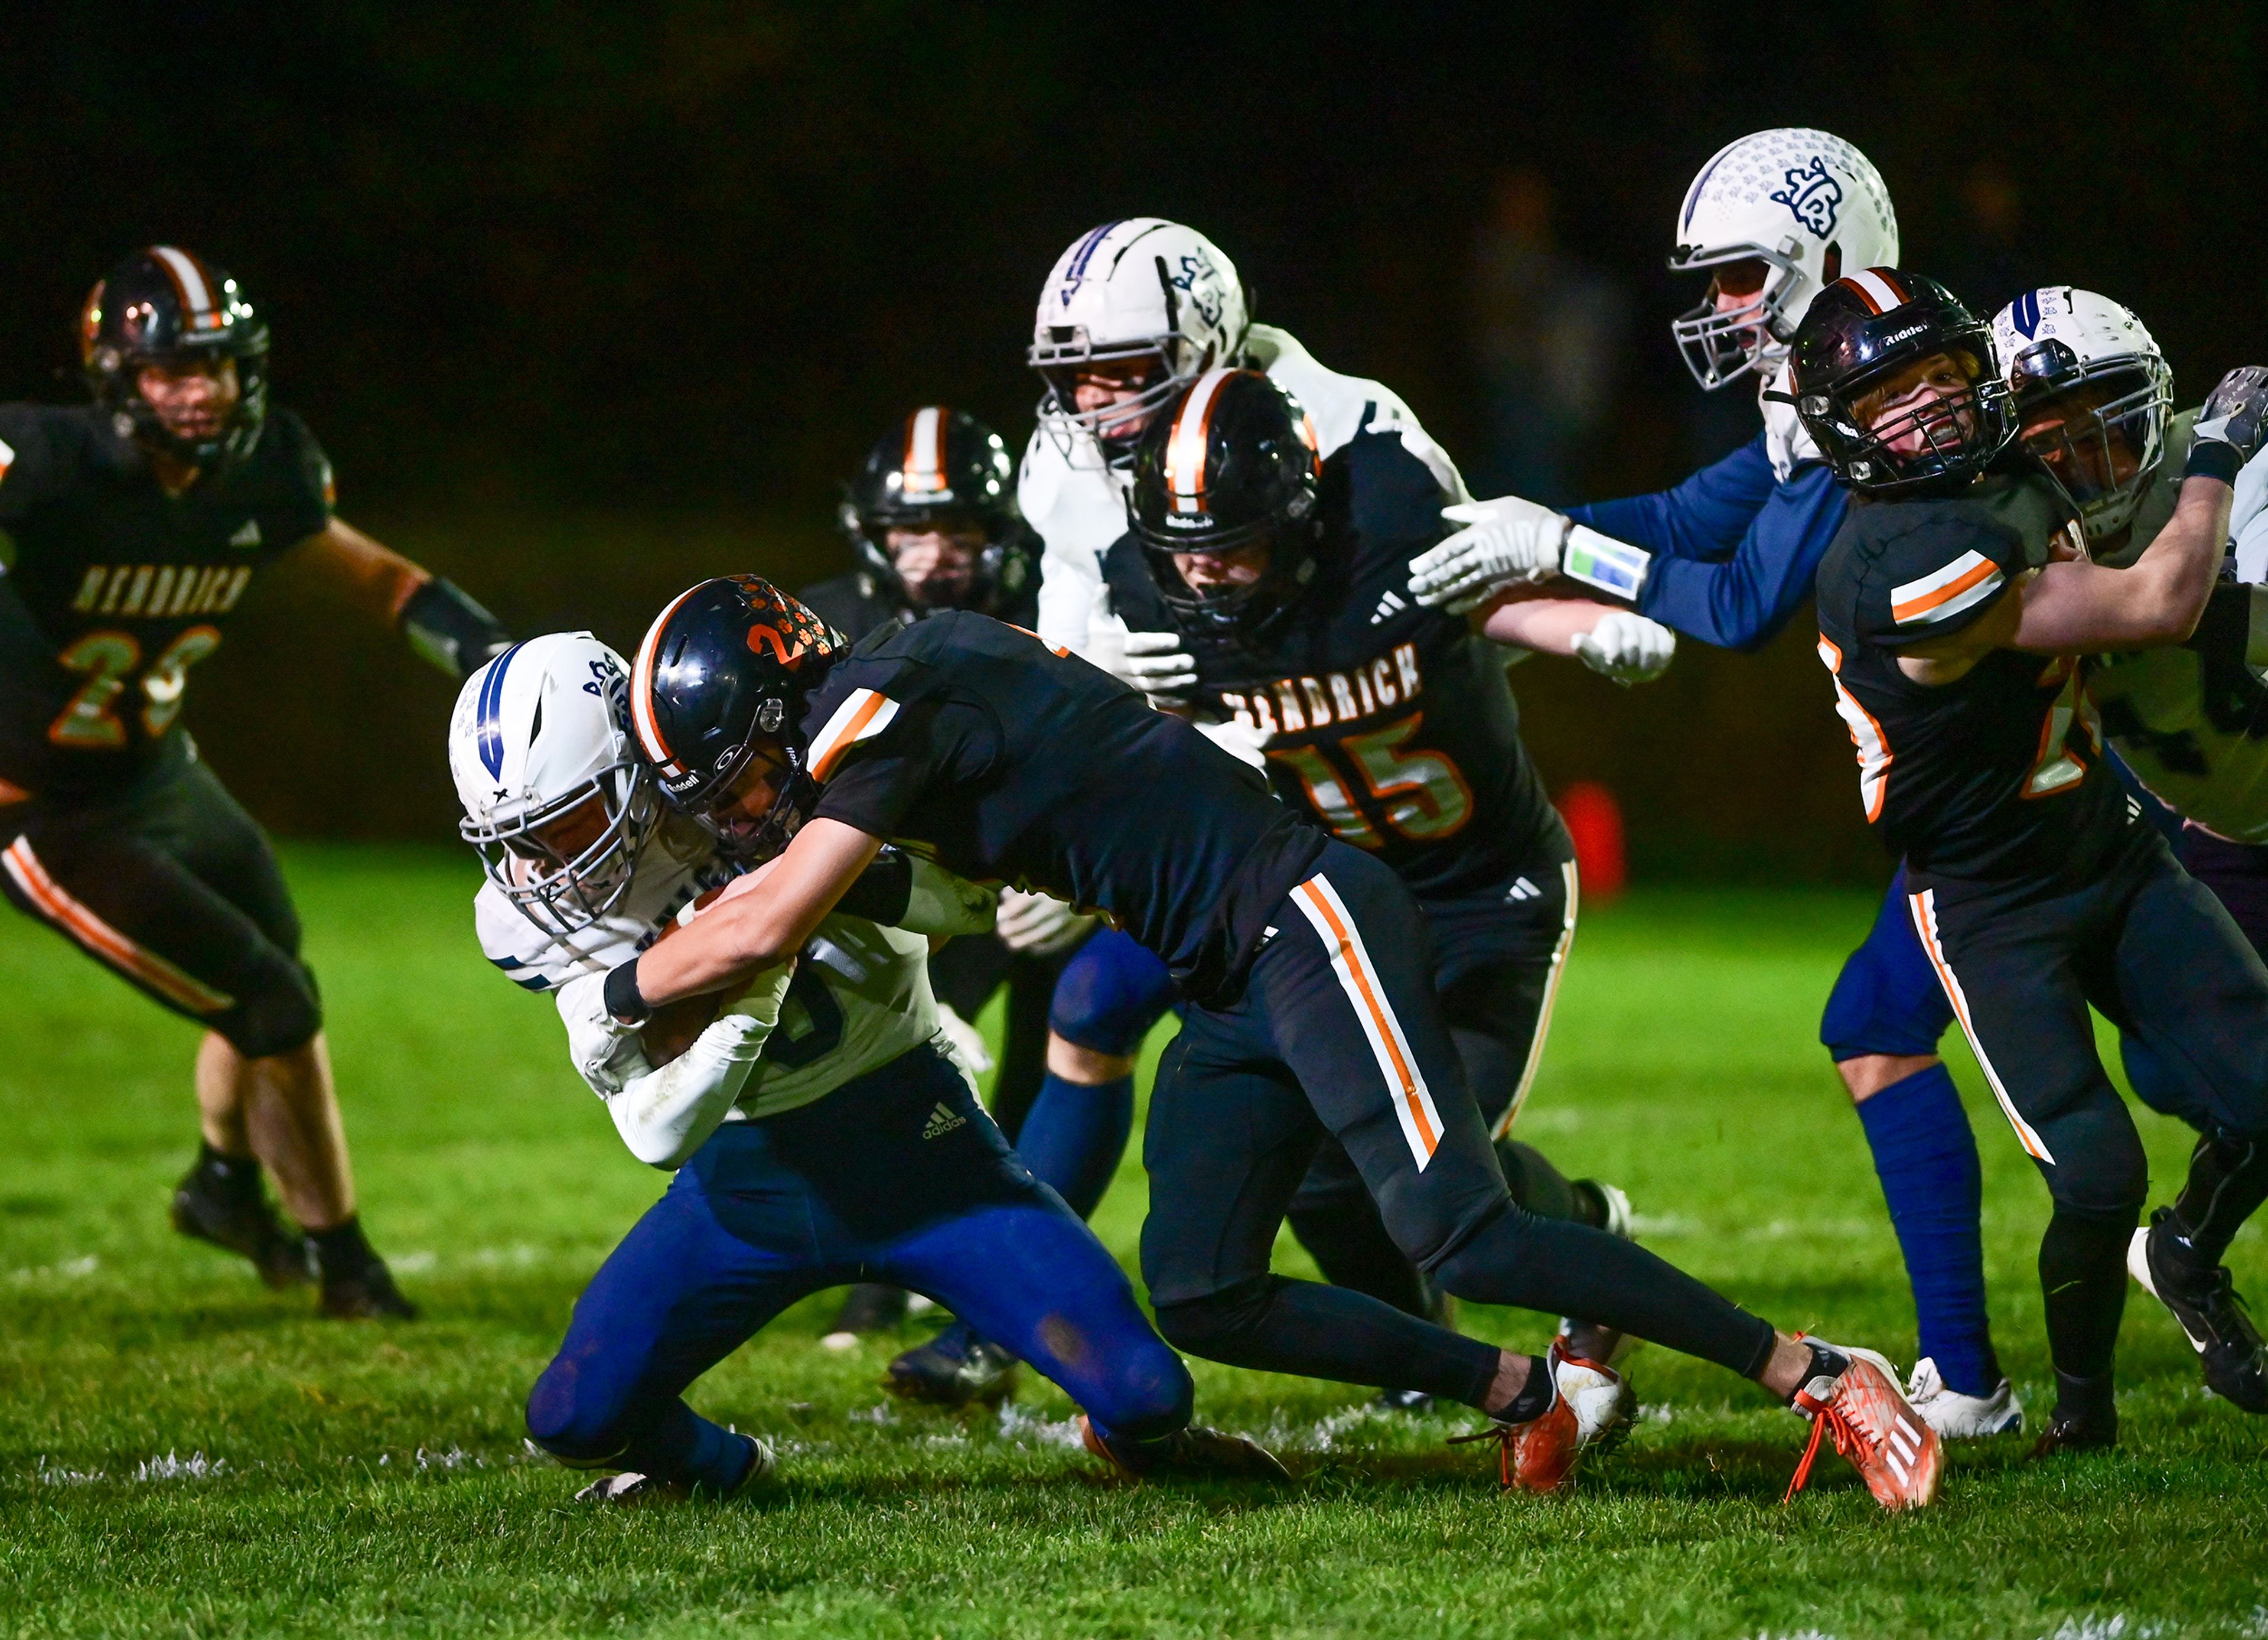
(173, 888)
(2160, 958)
(1498, 958)
(1339, 1032)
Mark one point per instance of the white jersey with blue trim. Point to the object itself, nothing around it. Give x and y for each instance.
(1072, 496)
(860, 997)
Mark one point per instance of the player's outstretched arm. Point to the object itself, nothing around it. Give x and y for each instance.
(763, 919)
(1626, 647)
(2085, 609)
(442, 622)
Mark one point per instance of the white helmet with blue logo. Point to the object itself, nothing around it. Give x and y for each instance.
(556, 799)
(1139, 289)
(1785, 213)
(2093, 395)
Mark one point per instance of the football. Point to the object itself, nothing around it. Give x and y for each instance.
(670, 1029)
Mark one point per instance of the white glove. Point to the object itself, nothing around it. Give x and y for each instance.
(1239, 740)
(606, 1052)
(1039, 925)
(964, 1045)
(666, 1115)
(1504, 542)
(1154, 663)
(1627, 648)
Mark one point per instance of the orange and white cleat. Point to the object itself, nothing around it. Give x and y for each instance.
(1875, 1426)
(1592, 1411)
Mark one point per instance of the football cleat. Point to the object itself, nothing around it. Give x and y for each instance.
(2063, 1434)
(1897, 1454)
(244, 1223)
(1958, 1417)
(1592, 1411)
(1614, 1206)
(869, 1307)
(367, 1293)
(1411, 1401)
(952, 1369)
(2209, 1310)
(630, 1489)
(1193, 1451)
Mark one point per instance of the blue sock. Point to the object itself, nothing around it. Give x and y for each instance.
(1925, 1156)
(1074, 1136)
(685, 1447)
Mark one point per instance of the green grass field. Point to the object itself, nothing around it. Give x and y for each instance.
(182, 1453)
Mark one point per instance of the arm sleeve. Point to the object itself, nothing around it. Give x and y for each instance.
(1702, 517)
(1742, 602)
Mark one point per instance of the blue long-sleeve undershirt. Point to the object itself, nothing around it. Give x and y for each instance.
(1735, 550)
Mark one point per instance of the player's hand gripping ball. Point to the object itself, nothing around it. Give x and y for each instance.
(670, 1029)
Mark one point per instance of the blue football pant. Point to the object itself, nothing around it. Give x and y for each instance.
(898, 1177)
(1339, 1031)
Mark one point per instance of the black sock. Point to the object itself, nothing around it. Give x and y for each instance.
(2083, 1273)
(2084, 1400)
(2227, 1181)
(1534, 1398)
(342, 1250)
(235, 1177)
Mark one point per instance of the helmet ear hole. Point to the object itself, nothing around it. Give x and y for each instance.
(1831, 267)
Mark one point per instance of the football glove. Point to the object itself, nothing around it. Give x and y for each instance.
(963, 1044)
(666, 1115)
(1154, 663)
(1627, 648)
(1039, 925)
(1504, 542)
(2235, 413)
(607, 1053)
(1239, 740)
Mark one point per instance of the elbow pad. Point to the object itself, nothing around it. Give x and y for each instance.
(447, 628)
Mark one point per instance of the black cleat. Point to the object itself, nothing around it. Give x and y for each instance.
(953, 1369)
(2209, 1310)
(2095, 1433)
(367, 1293)
(869, 1307)
(1411, 1401)
(220, 1200)
(1193, 1451)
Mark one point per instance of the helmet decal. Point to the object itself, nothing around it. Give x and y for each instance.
(200, 301)
(491, 730)
(1185, 447)
(1075, 275)
(648, 732)
(1812, 196)
(924, 470)
(1878, 287)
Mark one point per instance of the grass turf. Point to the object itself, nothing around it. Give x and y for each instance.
(183, 1453)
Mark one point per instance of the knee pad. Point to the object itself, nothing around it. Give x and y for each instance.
(1109, 994)
(278, 1011)
(565, 1424)
(1150, 1394)
(1206, 1326)
(1887, 1000)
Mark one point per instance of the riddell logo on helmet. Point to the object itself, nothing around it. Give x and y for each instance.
(1188, 520)
(1906, 335)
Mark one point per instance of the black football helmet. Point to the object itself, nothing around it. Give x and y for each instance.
(941, 468)
(1230, 463)
(1861, 330)
(720, 677)
(165, 306)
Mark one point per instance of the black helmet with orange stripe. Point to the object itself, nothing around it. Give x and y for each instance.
(1228, 471)
(1897, 382)
(170, 308)
(716, 699)
(941, 472)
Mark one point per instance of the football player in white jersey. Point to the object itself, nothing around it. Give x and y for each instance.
(2093, 398)
(819, 1132)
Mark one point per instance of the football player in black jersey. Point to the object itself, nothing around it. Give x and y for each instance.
(134, 527)
(933, 524)
(1305, 962)
(1392, 727)
(1953, 608)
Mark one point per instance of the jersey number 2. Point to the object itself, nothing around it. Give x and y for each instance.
(1424, 794)
(108, 659)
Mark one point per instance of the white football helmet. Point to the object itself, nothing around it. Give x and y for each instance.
(542, 730)
(2111, 430)
(1143, 288)
(1806, 205)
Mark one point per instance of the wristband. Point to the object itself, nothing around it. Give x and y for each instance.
(2213, 458)
(624, 1001)
(1615, 567)
(447, 628)
(882, 891)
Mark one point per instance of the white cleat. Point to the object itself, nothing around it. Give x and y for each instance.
(1618, 1208)
(1958, 1417)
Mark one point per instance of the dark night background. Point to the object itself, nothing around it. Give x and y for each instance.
(590, 300)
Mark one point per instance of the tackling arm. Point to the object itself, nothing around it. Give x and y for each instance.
(441, 622)
(1626, 647)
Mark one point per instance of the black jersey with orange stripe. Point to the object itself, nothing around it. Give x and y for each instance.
(1390, 724)
(113, 589)
(970, 741)
(2000, 773)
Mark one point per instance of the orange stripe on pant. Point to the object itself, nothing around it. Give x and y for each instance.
(1924, 908)
(107, 943)
(1421, 1122)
